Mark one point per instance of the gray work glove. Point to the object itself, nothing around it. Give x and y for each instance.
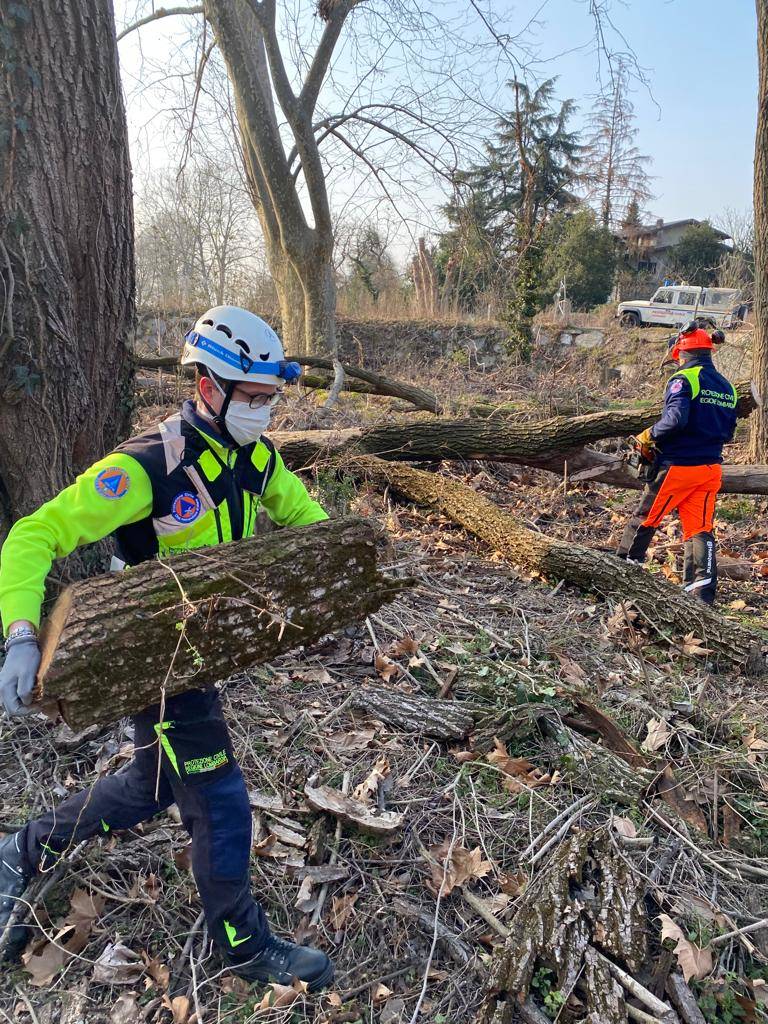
(18, 675)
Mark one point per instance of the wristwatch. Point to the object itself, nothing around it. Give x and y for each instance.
(21, 632)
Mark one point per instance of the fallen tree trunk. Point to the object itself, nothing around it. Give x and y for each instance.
(114, 644)
(440, 719)
(665, 607)
(465, 440)
(370, 382)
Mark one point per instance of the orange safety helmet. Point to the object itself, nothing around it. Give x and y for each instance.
(689, 338)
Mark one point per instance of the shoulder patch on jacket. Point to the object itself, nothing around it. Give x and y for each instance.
(112, 482)
(675, 386)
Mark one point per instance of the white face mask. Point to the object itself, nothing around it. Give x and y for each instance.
(246, 425)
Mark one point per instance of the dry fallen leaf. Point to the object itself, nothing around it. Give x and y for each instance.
(456, 869)
(126, 1010)
(405, 646)
(385, 666)
(392, 1011)
(304, 901)
(117, 965)
(572, 672)
(520, 773)
(693, 646)
(368, 789)
(350, 741)
(85, 908)
(159, 973)
(625, 827)
(694, 961)
(43, 966)
(342, 908)
(754, 745)
(513, 885)
(183, 858)
(179, 1007)
(381, 993)
(658, 735)
(282, 995)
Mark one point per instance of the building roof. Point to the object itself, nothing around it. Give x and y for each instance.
(654, 229)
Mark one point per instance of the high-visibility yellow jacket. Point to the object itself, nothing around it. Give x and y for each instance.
(174, 487)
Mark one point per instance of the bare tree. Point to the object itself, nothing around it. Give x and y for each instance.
(66, 247)
(198, 239)
(758, 447)
(614, 171)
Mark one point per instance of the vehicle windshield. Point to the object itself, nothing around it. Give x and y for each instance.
(720, 297)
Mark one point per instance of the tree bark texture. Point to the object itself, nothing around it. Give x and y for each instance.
(115, 643)
(759, 440)
(667, 609)
(299, 253)
(66, 247)
(427, 716)
(587, 892)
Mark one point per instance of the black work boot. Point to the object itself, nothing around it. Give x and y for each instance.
(703, 561)
(282, 961)
(14, 879)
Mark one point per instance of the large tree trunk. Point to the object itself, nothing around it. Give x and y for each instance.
(300, 253)
(666, 608)
(66, 248)
(115, 643)
(759, 440)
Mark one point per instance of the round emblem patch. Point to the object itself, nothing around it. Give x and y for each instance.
(112, 482)
(675, 386)
(186, 507)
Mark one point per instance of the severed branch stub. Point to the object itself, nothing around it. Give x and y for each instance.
(581, 917)
(112, 642)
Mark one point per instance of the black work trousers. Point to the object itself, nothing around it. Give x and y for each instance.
(199, 773)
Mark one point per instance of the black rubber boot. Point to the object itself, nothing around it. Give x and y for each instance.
(14, 879)
(282, 961)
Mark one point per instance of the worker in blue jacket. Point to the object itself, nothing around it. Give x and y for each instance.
(686, 445)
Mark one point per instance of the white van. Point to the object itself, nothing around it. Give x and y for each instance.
(675, 304)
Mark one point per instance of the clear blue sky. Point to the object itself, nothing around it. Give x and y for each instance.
(701, 62)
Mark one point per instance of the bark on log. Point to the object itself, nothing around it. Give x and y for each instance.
(665, 607)
(371, 383)
(301, 449)
(112, 641)
(543, 444)
(439, 719)
(587, 892)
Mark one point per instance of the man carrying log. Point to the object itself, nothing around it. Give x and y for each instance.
(196, 479)
(686, 449)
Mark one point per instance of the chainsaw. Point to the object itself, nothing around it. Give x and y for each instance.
(641, 460)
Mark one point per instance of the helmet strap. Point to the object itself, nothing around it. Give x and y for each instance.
(219, 418)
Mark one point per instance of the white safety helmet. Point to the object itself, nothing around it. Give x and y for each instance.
(238, 346)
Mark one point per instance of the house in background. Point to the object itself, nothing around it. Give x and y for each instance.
(650, 245)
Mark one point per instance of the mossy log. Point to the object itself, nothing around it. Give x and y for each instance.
(114, 643)
(587, 893)
(664, 606)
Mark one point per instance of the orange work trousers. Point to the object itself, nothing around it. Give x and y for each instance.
(691, 490)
